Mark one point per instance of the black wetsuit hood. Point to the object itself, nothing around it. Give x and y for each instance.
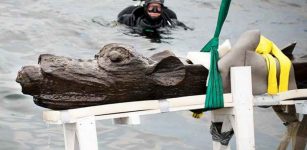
(153, 1)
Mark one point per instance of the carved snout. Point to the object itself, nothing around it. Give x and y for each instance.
(29, 78)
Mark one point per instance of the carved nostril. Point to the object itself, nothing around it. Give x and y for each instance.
(115, 56)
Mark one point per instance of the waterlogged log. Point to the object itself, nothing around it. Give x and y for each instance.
(117, 74)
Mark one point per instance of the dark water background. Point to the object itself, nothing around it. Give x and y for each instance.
(78, 29)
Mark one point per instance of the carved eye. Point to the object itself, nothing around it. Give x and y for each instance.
(119, 54)
(115, 56)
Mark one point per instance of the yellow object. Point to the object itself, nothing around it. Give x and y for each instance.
(197, 115)
(267, 48)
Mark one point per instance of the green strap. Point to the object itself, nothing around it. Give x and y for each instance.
(214, 98)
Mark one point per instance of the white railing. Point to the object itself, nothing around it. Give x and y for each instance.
(80, 128)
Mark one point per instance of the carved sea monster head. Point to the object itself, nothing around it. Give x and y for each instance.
(116, 73)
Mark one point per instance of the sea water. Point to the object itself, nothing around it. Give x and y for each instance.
(78, 29)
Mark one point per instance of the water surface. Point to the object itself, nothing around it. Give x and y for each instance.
(78, 29)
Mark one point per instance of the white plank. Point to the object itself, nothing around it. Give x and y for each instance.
(74, 114)
(279, 98)
(86, 133)
(70, 136)
(241, 89)
(175, 104)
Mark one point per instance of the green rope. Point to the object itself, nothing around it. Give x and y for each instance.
(214, 98)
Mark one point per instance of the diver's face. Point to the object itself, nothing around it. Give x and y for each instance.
(154, 10)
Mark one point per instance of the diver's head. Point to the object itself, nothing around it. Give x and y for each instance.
(153, 8)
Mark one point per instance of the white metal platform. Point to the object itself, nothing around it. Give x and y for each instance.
(80, 129)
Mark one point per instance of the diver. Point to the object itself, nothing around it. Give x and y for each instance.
(149, 17)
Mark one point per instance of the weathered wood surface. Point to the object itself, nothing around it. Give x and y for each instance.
(117, 74)
(300, 67)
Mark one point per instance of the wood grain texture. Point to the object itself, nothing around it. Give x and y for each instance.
(117, 74)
